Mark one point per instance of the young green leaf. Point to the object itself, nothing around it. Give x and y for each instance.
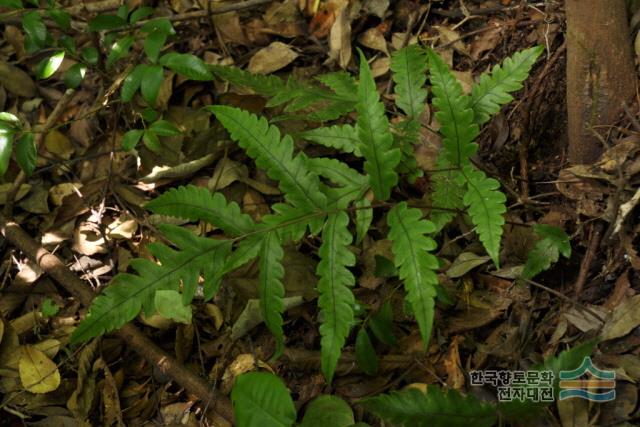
(164, 128)
(131, 139)
(409, 67)
(153, 43)
(493, 89)
(336, 299)
(261, 399)
(169, 304)
(132, 82)
(271, 289)
(90, 55)
(435, 408)
(375, 140)
(49, 308)
(26, 154)
(74, 75)
(411, 249)
(151, 141)
(35, 30)
(50, 65)
(151, 83)
(187, 65)
(547, 250)
(6, 142)
(106, 22)
(454, 114)
(365, 353)
(119, 50)
(327, 410)
(486, 205)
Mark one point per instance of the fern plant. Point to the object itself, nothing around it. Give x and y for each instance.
(326, 197)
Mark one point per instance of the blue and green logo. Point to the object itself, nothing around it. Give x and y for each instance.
(588, 382)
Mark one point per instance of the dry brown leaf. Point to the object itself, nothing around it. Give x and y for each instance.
(58, 144)
(487, 40)
(230, 29)
(17, 81)
(623, 320)
(271, 58)
(38, 373)
(284, 19)
(452, 364)
(374, 39)
(340, 35)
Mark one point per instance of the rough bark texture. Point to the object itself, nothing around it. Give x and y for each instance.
(600, 71)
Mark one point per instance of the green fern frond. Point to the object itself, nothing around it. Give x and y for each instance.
(262, 142)
(416, 265)
(268, 85)
(454, 114)
(197, 203)
(247, 250)
(376, 142)
(127, 294)
(337, 172)
(271, 288)
(409, 66)
(406, 135)
(493, 89)
(446, 193)
(336, 299)
(486, 206)
(435, 408)
(341, 83)
(289, 222)
(364, 217)
(340, 137)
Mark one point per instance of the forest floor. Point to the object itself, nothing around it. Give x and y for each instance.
(85, 203)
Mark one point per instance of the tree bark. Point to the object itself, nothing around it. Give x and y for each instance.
(601, 74)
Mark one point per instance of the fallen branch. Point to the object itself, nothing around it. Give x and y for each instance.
(134, 339)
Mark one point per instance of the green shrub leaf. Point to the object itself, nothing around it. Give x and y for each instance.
(326, 410)
(151, 83)
(187, 65)
(261, 399)
(26, 153)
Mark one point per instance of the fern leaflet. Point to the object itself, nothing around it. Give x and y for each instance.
(340, 137)
(376, 142)
(271, 289)
(547, 250)
(337, 172)
(269, 85)
(435, 408)
(336, 300)
(486, 205)
(122, 300)
(492, 90)
(341, 82)
(415, 264)
(409, 66)
(454, 114)
(275, 155)
(197, 203)
(446, 193)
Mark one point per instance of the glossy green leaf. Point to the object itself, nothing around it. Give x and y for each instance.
(90, 55)
(119, 50)
(74, 75)
(35, 29)
(140, 13)
(151, 82)
(60, 17)
(327, 410)
(162, 25)
(153, 43)
(131, 139)
(26, 154)
(132, 82)
(164, 128)
(6, 142)
(48, 66)
(187, 65)
(106, 22)
(151, 141)
(261, 399)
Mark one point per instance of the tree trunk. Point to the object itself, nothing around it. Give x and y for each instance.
(601, 74)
